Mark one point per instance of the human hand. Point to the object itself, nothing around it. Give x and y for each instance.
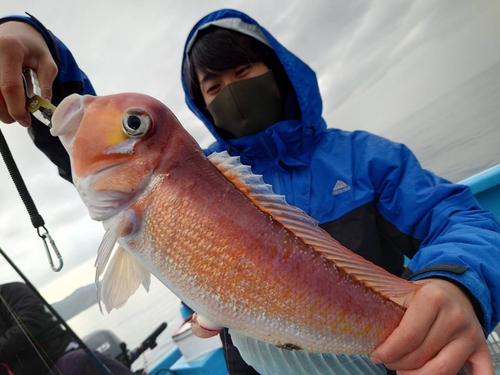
(437, 334)
(22, 47)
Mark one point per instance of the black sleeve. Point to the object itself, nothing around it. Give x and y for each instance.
(21, 313)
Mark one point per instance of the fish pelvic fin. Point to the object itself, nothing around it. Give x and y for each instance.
(306, 228)
(124, 225)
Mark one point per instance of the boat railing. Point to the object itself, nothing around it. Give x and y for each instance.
(486, 188)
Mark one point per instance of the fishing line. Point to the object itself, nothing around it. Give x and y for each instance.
(95, 360)
(32, 340)
(225, 332)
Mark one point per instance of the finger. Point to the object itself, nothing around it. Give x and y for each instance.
(12, 88)
(46, 72)
(14, 102)
(480, 361)
(450, 360)
(408, 336)
(4, 114)
(444, 330)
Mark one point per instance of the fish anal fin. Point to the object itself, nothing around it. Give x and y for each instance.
(123, 276)
(306, 228)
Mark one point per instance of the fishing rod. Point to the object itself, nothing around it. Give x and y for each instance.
(31, 339)
(104, 370)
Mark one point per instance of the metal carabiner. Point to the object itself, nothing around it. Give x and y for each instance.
(46, 236)
(40, 108)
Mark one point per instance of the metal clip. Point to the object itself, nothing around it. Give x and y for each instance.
(46, 236)
(42, 109)
(39, 107)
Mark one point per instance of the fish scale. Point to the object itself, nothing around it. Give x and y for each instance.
(260, 264)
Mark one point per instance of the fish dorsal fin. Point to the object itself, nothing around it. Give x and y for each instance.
(306, 228)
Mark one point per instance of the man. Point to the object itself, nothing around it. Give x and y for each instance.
(389, 206)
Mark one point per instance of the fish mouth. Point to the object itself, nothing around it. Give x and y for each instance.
(69, 114)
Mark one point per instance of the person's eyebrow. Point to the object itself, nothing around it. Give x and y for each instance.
(208, 76)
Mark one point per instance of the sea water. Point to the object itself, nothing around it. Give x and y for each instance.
(457, 135)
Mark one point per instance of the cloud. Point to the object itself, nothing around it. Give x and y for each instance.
(379, 38)
(377, 62)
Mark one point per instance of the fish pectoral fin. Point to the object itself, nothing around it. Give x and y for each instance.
(123, 225)
(202, 327)
(122, 278)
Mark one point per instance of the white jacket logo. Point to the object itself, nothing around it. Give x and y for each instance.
(340, 187)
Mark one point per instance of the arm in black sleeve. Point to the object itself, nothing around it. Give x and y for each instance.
(21, 312)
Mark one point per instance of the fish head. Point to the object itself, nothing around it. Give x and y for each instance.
(115, 143)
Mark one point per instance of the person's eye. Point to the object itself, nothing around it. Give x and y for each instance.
(243, 70)
(212, 89)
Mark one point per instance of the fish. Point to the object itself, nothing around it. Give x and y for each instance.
(218, 237)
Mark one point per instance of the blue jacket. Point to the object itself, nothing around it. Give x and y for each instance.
(369, 193)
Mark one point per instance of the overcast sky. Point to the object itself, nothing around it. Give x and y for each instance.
(377, 63)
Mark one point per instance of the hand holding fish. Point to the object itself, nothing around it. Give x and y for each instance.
(22, 47)
(438, 332)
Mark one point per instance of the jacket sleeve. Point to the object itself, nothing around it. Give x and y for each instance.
(69, 80)
(24, 315)
(458, 239)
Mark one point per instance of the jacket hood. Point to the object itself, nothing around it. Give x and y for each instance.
(282, 139)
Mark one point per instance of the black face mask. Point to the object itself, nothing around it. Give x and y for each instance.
(247, 106)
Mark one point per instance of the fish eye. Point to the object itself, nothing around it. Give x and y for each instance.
(136, 122)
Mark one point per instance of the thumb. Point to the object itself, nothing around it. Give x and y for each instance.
(47, 73)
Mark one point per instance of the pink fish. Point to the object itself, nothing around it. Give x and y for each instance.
(216, 235)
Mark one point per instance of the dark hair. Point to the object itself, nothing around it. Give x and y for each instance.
(218, 49)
